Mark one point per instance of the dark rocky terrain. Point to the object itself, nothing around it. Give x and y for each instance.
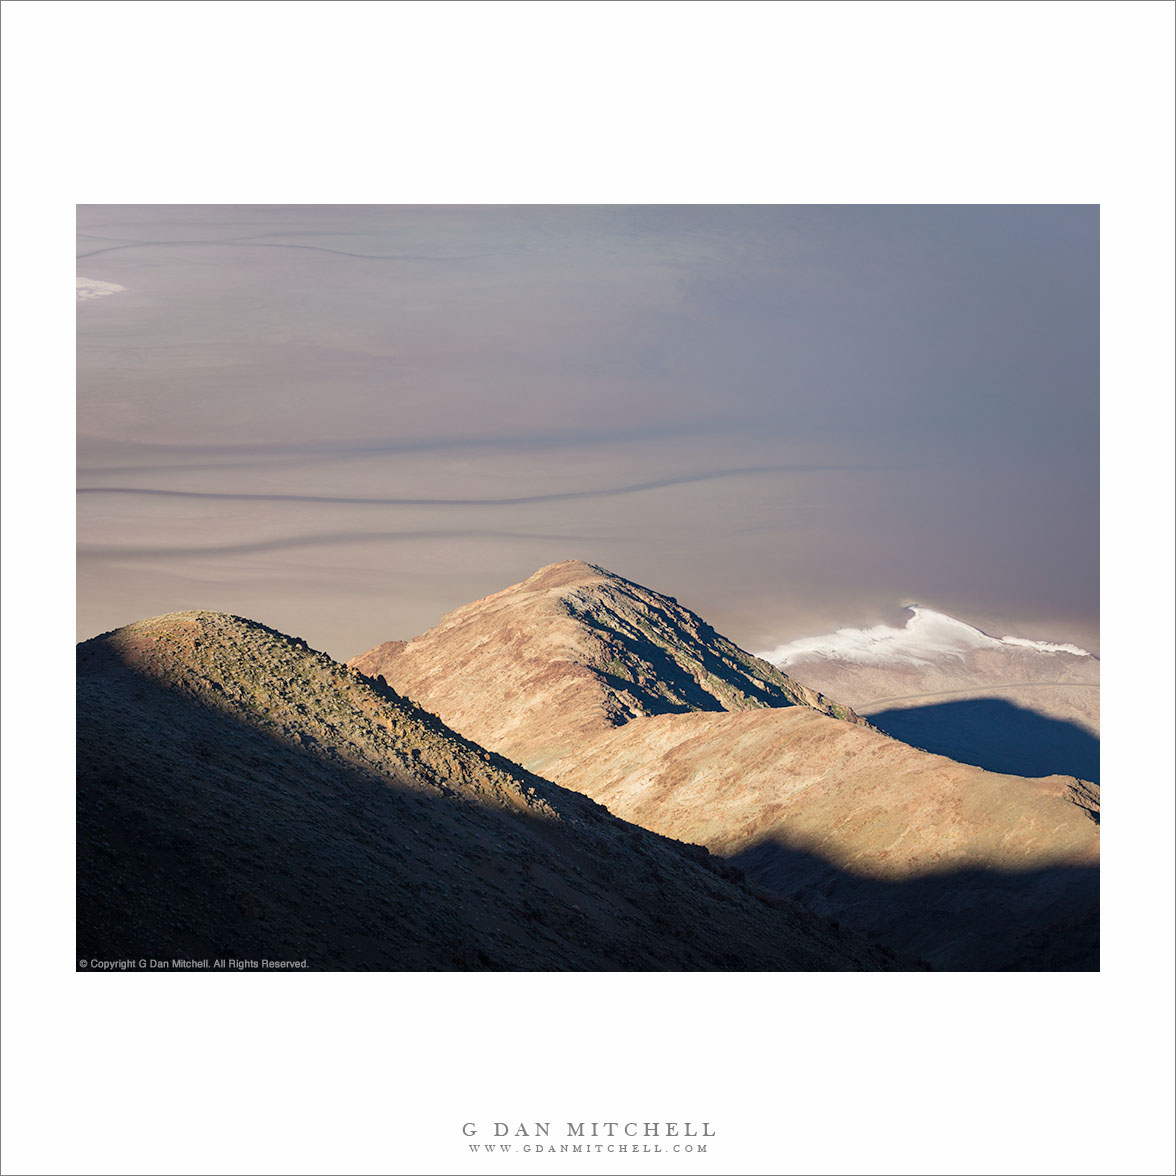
(243, 796)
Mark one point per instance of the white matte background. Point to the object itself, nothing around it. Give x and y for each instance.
(597, 102)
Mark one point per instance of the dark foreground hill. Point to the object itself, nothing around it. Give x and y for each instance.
(241, 796)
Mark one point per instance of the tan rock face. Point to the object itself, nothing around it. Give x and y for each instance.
(574, 650)
(863, 802)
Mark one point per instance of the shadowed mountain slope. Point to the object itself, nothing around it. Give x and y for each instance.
(776, 786)
(243, 796)
(996, 735)
(571, 651)
(963, 867)
(1044, 919)
(1005, 704)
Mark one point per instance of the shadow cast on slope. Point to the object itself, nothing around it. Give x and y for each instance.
(202, 836)
(996, 735)
(966, 920)
(673, 654)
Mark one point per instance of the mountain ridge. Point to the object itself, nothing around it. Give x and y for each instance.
(590, 646)
(243, 795)
(790, 777)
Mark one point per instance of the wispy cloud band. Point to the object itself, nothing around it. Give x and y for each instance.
(517, 500)
(99, 551)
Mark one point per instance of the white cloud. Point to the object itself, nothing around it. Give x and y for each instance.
(92, 288)
(926, 637)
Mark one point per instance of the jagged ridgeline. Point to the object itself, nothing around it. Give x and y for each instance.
(241, 795)
(660, 658)
(574, 650)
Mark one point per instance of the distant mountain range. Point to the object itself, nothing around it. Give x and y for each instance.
(928, 638)
(1008, 704)
(241, 796)
(621, 693)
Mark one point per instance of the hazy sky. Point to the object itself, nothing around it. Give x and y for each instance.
(345, 421)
